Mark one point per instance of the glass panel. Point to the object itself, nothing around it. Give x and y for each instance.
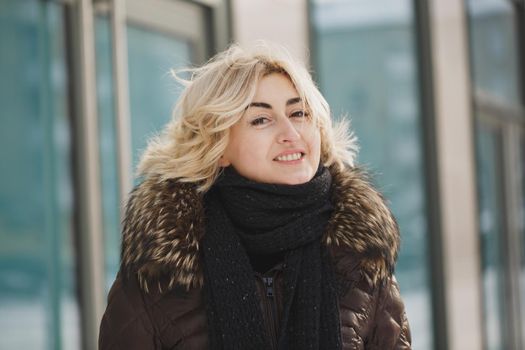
(153, 92)
(38, 301)
(366, 65)
(108, 148)
(493, 48)
(491, 232)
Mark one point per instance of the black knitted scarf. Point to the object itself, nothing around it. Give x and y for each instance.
(245, 217)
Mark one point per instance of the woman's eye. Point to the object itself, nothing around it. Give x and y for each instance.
(299, 114)
(259, 121)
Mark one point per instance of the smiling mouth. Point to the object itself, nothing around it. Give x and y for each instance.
(290, 157)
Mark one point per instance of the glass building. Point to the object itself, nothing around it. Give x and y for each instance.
(434, 91)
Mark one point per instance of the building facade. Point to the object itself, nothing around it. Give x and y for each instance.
(434, 91)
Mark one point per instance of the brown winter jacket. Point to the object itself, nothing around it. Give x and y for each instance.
(157, 301)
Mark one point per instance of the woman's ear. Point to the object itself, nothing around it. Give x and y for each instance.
(224, 162)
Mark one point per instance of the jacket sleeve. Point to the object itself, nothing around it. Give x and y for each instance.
(126, 324)
(390, 328)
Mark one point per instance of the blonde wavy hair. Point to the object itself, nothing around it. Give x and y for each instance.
(215, 98)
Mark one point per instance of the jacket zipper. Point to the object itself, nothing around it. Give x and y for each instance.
(271, 309)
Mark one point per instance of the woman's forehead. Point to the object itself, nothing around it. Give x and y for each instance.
(276, 87)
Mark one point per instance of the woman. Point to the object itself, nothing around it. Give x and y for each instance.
(251, 228)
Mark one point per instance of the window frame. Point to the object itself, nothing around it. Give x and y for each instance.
(431, 185)
(80, 16)
(509, 119)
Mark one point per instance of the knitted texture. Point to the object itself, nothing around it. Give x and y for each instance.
(245, 217)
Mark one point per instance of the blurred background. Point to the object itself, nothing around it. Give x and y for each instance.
(434, 90)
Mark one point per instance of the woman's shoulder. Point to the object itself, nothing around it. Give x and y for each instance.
(355, 271)
(164, 224)
(362, 234)
(162, 229)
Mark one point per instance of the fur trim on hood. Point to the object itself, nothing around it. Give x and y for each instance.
(164, 224)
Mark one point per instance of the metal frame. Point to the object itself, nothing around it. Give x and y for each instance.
(87, 172)
(456, 159)
(64, 2)
(220, 31)
(520, 12)
(505, 112)
(122, 113)
(432, 187)
(176, 18)
(513, 191)
(311, 39)
(520, 19)
(153, 14)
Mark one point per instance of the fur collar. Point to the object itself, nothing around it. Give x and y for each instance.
(164, 224)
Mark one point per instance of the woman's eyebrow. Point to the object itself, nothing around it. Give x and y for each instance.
(268, 106)
(293, 101)
(260, 104)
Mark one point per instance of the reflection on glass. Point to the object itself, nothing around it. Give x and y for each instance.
(493, 48)
(366, 66)
(38, 302)
(108, 148)
(153, 92)
(491, 220)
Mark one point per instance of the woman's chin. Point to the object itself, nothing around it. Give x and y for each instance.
(280, 177)
(296, 179)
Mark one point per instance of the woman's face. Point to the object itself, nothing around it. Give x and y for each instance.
(275, 141)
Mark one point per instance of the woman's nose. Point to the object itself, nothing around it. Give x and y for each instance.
(288, 132)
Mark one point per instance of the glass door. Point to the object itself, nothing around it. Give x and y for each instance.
(496, 44)
(160, 35)
(365, 55)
